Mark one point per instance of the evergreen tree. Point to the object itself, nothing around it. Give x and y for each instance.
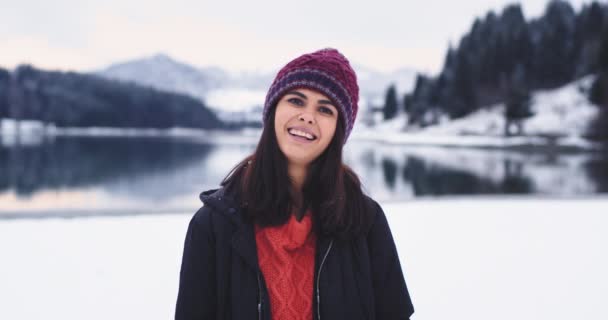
(554, 49)
(518, 108)
(79, 100)
(390, 103)
(417, 102)
(556, 45)
(464, 99)
(599, 93)
(5, 77)
(599, 90)
(518, 104)
(589, 25)
(602, 60)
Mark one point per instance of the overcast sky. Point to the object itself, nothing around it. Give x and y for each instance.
(238, 35)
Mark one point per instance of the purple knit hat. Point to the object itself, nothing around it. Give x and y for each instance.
(326, 71)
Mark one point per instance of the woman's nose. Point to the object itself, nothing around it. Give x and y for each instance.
(306, 118)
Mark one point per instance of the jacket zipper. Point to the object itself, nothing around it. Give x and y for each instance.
(318, 280)
(260, 295)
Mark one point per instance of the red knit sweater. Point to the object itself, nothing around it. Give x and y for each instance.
(286, 255)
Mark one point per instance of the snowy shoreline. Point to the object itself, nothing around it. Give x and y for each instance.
(251, 136)
(521, 143)
(80, 213)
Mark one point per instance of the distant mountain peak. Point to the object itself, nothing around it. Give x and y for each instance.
(163, 58)
(163, 72)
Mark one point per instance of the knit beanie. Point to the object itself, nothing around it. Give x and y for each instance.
(326, 71)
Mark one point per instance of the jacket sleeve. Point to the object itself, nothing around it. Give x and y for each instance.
(196, 294)
(391, 297)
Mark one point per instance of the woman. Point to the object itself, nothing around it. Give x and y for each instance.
(290, 235)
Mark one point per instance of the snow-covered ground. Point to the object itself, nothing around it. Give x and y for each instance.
(464, 258)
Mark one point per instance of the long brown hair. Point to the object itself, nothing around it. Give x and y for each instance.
(331, 189)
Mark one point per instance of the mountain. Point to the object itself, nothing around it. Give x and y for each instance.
(233, 94)
(165, 73)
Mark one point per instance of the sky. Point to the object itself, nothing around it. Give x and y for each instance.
(262, 35)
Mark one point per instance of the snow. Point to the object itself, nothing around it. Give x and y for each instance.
(561, 119)
(564, 111)
(34, 131)
(463, 258)
(504, 259)
(234, 99)
(24, 132)
(454, 140)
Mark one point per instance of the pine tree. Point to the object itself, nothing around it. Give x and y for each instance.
(603, 54)
(599, 90)
(518, 104)
(465, 100)
(390, 103)
(556, 48)
(599, 93)
(5, 77)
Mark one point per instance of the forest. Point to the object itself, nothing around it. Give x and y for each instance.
(503, 58)
(70, 99)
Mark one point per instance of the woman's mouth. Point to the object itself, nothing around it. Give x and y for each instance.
(300, 135)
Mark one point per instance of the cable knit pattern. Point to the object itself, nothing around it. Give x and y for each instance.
(286, 255)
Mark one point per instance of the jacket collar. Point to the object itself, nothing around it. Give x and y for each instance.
(243, 239)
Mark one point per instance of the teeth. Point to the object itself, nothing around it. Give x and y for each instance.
(301, 134)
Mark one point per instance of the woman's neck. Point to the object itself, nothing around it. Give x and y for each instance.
(297, 174)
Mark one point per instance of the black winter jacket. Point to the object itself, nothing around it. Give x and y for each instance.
(220, 277)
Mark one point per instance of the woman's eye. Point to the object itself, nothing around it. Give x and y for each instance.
(296, 101)
(326, 110)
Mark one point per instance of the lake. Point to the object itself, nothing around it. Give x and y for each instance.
(117, 175)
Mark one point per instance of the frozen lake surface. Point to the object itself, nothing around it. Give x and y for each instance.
(464, 258)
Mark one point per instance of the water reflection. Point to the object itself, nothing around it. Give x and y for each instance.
(598, 168)
(399, 172)
(83, 162)
(429, 179)
(170, 172)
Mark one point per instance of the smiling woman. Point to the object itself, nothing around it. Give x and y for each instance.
(304, 123)
(290, 234)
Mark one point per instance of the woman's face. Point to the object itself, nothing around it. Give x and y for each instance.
(304, 123)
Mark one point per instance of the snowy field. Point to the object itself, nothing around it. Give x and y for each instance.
(489, 258)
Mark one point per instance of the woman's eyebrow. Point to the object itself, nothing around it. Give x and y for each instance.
(299, 94)
(303, 96)
(325, 102)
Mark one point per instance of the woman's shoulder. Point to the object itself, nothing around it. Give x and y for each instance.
(217, 204)
(373, 206)
(378, 217)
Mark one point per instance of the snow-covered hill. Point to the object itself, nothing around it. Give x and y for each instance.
(561, 114)
(564, 111)
(164, 73)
